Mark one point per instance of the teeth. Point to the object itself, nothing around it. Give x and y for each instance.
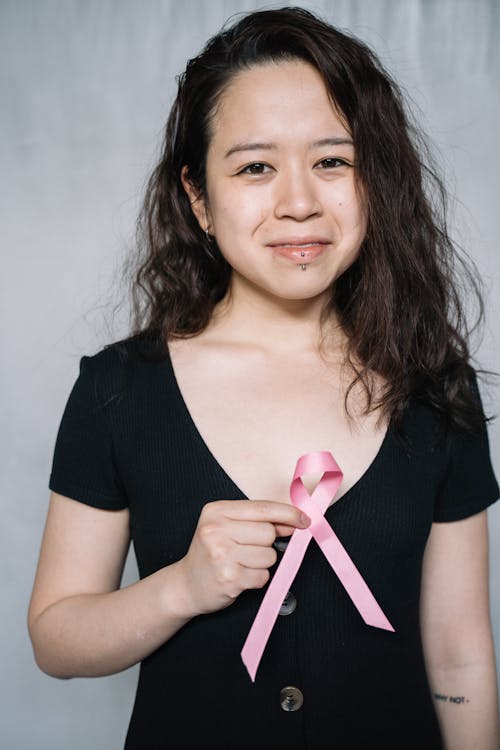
(309, 244)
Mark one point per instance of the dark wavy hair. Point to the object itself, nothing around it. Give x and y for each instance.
(399, 303)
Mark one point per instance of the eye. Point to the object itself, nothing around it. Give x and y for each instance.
(329, 162)
(252, 168)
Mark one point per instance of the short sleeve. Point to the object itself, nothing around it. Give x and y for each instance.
(469, 484)
(83, 465)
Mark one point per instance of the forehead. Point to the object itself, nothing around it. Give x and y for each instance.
(286, 100)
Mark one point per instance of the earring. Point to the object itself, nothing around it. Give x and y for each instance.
(209, 239)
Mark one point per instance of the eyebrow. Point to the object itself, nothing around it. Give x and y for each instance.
(339, 141)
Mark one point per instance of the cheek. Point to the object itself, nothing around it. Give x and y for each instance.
(353, 230)
(341, 199)
(351, 217)
(362, 206)
(235, 211)
(355, 215)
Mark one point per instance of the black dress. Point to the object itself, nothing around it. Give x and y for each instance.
(126, 438)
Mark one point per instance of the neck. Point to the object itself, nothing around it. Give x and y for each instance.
(279, 326)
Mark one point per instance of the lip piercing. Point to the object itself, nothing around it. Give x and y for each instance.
(303, 265)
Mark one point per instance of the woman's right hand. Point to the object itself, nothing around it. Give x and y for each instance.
(232, 550)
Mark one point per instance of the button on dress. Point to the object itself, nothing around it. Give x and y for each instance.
(326, 679)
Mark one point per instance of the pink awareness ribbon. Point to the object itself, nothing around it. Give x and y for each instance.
(314, 506)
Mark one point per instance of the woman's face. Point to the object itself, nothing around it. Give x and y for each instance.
(294, 185)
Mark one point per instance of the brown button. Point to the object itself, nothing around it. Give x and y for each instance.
(289, 604)
(280, 543)
(291, 698)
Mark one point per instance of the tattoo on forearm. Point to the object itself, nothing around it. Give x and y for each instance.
(457, 699)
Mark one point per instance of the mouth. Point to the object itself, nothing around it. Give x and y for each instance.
(300, 253)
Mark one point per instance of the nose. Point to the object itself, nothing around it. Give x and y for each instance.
(295, 195)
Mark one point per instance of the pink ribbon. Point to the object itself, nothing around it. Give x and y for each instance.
(314, 506)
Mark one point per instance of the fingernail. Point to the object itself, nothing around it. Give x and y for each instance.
(304, 520)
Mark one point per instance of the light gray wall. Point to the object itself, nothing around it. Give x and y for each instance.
(85, 90)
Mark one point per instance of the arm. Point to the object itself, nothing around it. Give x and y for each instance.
(456, 634)
(80, 622)
(82, 625)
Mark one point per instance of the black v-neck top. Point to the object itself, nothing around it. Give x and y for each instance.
(127, 439)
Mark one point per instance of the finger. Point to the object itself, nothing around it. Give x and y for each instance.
(281, 530)
(262, 510)
(258, 533)
(254, 578)
(256, 557)
(236, 578)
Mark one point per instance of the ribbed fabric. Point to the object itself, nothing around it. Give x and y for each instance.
(126, 439)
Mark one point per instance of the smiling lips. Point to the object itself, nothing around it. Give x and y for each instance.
(300, 251)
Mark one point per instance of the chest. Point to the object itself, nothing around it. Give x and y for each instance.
(257, 417)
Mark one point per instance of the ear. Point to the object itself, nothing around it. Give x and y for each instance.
(196, 200)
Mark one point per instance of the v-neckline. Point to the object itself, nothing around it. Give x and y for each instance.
(198, 436)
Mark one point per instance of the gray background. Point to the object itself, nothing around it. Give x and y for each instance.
(85, 89)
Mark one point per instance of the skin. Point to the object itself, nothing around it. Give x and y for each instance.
(81, 623)
(257, 196)
(457, 636)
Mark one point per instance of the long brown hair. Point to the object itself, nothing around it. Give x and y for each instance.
(399, 303)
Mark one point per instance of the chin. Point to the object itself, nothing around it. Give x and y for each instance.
(302, 290)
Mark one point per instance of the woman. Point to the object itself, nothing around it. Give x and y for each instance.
(299, 298)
